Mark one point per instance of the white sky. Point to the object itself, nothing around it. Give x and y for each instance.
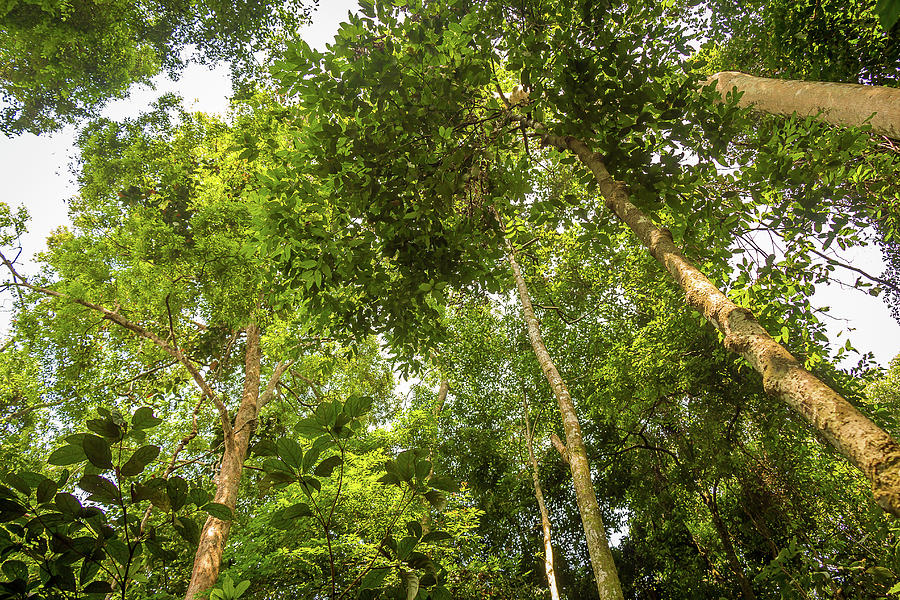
(34, 172)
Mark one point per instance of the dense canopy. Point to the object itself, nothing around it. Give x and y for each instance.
(487, 299)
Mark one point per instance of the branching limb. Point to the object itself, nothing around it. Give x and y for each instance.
(118, 319)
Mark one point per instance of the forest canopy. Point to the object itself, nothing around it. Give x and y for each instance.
(486, 299)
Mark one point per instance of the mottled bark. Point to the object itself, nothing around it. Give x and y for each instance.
(208, 558)
(866, 445)
(592, 520)
(539, 496)
(843, 104)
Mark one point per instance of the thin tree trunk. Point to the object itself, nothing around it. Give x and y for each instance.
(730, 554)
(539, 495)
(208, 559)
(840, 104)
(601, 558)
(866, 445)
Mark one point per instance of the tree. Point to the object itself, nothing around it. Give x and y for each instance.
(64, 60)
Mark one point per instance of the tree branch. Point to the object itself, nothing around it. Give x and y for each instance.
(141, 332)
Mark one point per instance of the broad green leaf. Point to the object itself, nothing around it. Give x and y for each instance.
(97, 451)
(101, 489)
(176, 490)
(142, 457)
(219, 511)
(291, 453)
(143, 418)
(328, 465)
(67, 455)
(436, 536)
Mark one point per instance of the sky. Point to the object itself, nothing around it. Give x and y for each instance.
(35, 172)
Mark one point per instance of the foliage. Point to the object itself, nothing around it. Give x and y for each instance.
(64, 59)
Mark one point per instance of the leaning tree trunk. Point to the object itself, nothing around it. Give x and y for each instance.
(836, 103)
(592, 520)
(208, 558)
(865, 444)
(539, 495)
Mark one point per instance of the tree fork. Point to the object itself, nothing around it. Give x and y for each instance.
(864, 444)
(604, 566)
(842, 104)
(208, 558)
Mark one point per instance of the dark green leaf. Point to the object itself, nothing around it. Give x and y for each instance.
(188, 529)
(142, 457)
(67, 503)
(46, 490)
(67, 455)
(295, 511)
(97, 451)
(436, 536)
(442, 482)
(101, 489)
(176, 490)
(219, 511)
(328, 465)
(143, 418)
(291, 453)
(105, 427)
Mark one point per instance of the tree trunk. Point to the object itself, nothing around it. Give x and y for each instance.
(539, 495)
(208, 558)
(728, 546)
(839, 103)
(601, 558)
(865, 444)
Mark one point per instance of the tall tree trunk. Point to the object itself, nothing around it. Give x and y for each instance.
(539, 495)
(601, 558)
(208, 558)
(839, 103)
(866, 445)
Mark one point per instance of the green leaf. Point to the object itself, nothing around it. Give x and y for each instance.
(356, 406)
(46, 490)
(291, 453)
(240, 588)
(105, 427)
(423, 468)
(188, 529)
(295, 511)
(97, 451)
(143, 418)
(67, 455)
(98, 587)
(308, 428)
(442, 482)
(327, 466)
(414, 528)
(101, 489)
(436, 536)
(67, 503)
(176, 490)
(142, 457)
(436, 499)
(888, 13)
(15, 569)
(219, 511)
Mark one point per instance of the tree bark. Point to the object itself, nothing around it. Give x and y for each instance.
(208, 559)
(539, 496)
(866, 445)
(592, 520)
(842, 104)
